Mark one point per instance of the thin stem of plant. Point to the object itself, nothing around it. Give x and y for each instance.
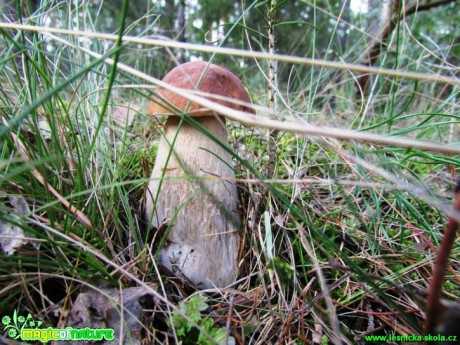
(440, 267)
(272, 87)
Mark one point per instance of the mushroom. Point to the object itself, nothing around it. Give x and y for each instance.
(191, 193)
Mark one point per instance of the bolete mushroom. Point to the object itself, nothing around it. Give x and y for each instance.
(186, 194)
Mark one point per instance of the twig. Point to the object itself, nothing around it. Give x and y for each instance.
(440, 266)
(287, 323)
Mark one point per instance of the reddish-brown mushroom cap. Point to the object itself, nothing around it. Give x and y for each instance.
(211, 79)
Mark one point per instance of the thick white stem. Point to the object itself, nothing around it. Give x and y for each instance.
(201, 209)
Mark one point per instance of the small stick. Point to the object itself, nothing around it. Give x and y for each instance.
(434, 297)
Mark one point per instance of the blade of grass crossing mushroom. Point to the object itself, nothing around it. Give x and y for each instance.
(293, 127)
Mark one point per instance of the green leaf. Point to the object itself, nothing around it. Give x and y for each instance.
(218, 334)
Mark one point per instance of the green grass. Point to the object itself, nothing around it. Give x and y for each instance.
(338, 243)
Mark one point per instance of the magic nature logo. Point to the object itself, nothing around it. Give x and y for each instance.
(13, 326)
(28, 329)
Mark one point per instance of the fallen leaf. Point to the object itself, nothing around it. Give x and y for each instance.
(110, 308)
(12, 236)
